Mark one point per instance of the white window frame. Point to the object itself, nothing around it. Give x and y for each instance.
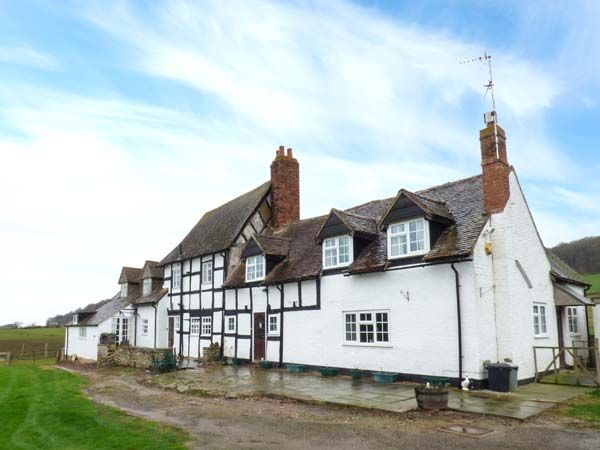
(538, 315)
(231, 320)
(177, 323)
(207, 272)
(335, 240)
(176, 276)
(123, 289)
(146, 286)
(195, 326)
(74, 319)
(145, 327)
(82, 332)
(572, 324)
(273, 330)
(206, 326)
(377, 342)
(406, 234)
(255, 262)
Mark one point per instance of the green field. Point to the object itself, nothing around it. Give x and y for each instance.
(594, 280)
(34, 339)
(44, 408)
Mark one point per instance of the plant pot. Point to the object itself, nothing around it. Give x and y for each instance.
(329, 372)
(265, 364)
(296, 368)
(235, 361)
(384, 377)
(356, 374)
(431, 399)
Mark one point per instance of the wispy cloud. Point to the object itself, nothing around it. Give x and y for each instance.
(25, 55)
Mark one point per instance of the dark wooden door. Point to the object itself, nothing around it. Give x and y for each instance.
(561, 339)
(259, 336)
(171, 331)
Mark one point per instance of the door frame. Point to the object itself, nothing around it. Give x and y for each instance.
(255, 342)
(171, 332)
(560, 310)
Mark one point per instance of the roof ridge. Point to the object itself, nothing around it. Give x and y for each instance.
(236, 198)
(358, 216)
(449, 183)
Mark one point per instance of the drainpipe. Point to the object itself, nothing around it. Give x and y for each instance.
(457, 283)
(155, 324)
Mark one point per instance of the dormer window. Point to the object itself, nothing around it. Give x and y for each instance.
(255, 268)
(123, 289)
(408, 238)
(147, 286)
(337, 252)
(74, 319)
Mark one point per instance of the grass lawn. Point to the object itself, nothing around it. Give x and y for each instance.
(586, 407)
(43, 408)
(33, 338)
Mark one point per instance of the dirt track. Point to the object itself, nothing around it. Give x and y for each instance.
(218, 423)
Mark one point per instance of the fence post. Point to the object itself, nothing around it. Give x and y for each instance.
(22, 350)
(46, 350)
(33, 352)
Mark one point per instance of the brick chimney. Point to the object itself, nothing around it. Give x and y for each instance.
(285, 188)
(494, 164)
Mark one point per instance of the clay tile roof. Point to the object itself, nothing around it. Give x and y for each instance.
(151, 269)
(357, 223)
(218, 229)
(130, 275)
(562, 270)
(461, 200)
(429, 206)
(153, 297)
(272, 245)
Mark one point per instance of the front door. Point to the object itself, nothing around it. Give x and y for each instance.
(171, 328)
(259, 336)
(561, 340)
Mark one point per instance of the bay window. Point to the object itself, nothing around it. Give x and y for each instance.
(337, 252)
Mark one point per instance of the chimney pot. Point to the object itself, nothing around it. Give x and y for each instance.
(281, 151)
(289, 153)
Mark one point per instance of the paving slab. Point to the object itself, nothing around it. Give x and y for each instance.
(527, 401)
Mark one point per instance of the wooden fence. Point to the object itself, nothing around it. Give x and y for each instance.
(581, 363)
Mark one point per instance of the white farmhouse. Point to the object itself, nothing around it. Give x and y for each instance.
(137, 314)
(435, 282)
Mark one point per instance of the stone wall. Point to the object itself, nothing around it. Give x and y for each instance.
(126, 355)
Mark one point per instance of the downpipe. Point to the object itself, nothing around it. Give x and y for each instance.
(459, 323)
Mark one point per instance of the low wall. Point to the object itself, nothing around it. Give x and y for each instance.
(126, 355)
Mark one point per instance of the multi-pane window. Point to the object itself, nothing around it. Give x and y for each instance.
(74, 319)
(195, 325)
(207, 272)
(407, 238)
(572, 319)
(273, 324)
(255, 268)
(145, 327)
(124, 329)
(82, 332)
(231, 324)
(367, 327)
(177, 323)
(176, 276)
(337, 251)
(206, 326)
(146, 286)
(124, 290)
(539, 320)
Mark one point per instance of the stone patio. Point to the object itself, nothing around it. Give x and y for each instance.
(527, 401)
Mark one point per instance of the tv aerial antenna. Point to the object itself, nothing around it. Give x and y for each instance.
(491, 116)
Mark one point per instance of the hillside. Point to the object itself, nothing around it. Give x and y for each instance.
(582, 255)
(64, 319)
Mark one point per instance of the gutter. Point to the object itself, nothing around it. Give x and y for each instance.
(460, 355)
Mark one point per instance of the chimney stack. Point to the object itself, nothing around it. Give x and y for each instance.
(285, 188)
(494, 164)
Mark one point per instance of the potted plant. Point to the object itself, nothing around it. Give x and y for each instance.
(356, 373)
(296, 368)
(384, 377)
(432, 396)
(265, 364)
(235, 361)
(329, 371)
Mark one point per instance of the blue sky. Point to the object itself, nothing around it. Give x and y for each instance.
(122, 122)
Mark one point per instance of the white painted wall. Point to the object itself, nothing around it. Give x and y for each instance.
(161, 325)
(86, 348)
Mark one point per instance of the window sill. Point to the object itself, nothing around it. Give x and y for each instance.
(274, 334)
(376, 345)
(408, 255)
(541, 336)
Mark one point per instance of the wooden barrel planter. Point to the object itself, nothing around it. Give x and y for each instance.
(295, 368)
(431, 398)
(329, 372)
(265, 364)
(384, 377)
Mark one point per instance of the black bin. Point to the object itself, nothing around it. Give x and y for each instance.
(499, 377)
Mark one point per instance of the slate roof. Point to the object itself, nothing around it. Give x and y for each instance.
(153, 297)
(357, 223)
(151, 269)
(106, 311)
(272, 245)
(430, 206)
(463, 199)
(218, 229)
(130, 275)
(562, 270)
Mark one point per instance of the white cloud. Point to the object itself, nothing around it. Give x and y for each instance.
(26, 56)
